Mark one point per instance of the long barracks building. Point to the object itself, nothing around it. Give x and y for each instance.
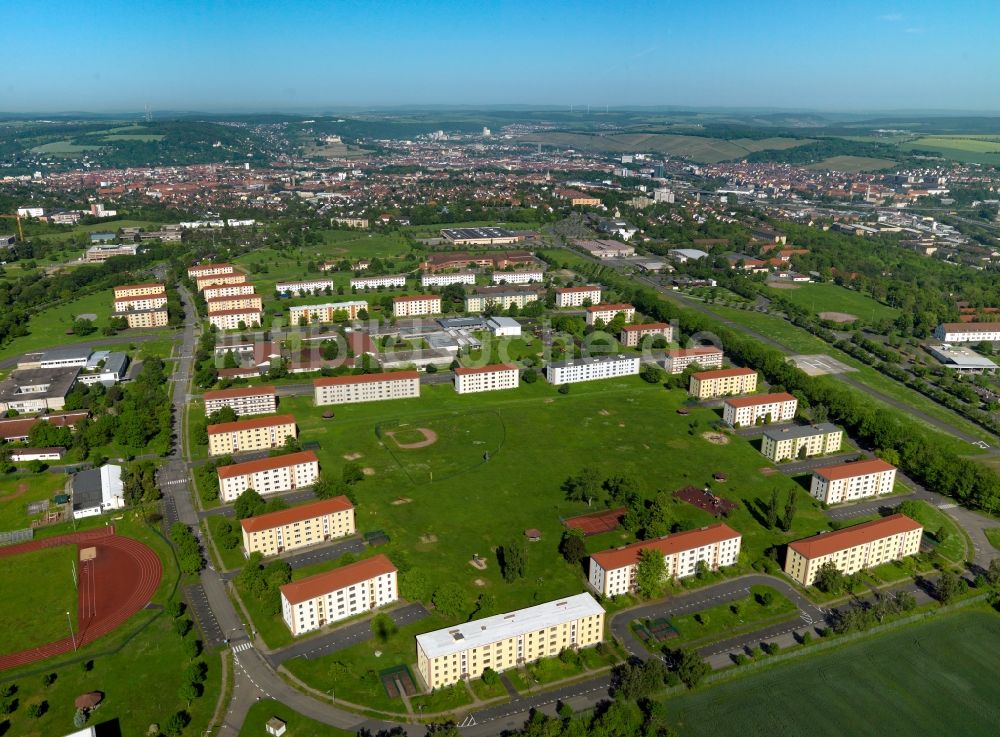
(366, 387)
(251, 400)
(269, 475)
(298, 527)
(242, 436)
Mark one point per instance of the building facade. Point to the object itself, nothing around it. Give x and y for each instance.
(366, 388)
(396, 281)
(591, 369)
(251, 400)
(854, 548)
(203, 270)
(517, 277)
(140, 304)
(633, 335)
(139, 290)
(220, 280)
(298, 527)
(242, 436)
(747, 411)
(968, 332)
(788, 443)
(576, 296)
(850, 481)
(228, 290)
(268, 475)
(443, 280)
(326, 312)
(503, 297)
(235, 319)
(506, 641)
(722, 383)
(309, 286)
(147, 318)
(495, 377)
(613, 572)
(237, 302)
(316, 601)
(678, 359)
(608, 312)
(416, 306)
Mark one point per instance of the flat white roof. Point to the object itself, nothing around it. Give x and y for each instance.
(504, 322)
(502, 626)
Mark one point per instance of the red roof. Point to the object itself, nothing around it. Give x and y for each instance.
(830, 542)
(240, 311)
(571, 290)
(858, 468)
(365, 378)
(267, 464)
(251, 423)
(141, 297)
(198, 268)
(722, 373)
(20, 427)
(232, 373)
(243, 391)
(701, 350)
(760, 399)
(297, 514)
(323, 583)
(492, 368)
(628, 555)
(645, 326)
(607, 307)
(230, 298)
(971, 327)
(416, 297)
(140, 286)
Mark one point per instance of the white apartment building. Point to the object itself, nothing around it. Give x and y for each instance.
(220, 279)
(608, 312)
(632, 335)
(326, 312)
(139, 290)
(416, 306)
(197, 272)
(147, 318)
(517, 277)
(251, 400)
(968, 332)
(506, 641)
(228, 290)
(140, 304)
(319, 600)
(591, 369)
(242, 436)
(388, 281)
(486, 378)
(722, 383)
(788, 443)
(268, 475)
(854, 548)
(678, 359)
(309, 286)
(850, 481)
(366, 387)
(235, 319)
(612, 572)
(501, 297)
(747, 411)
(239, 302)
(576, 296)
(443, 280)
(298, 527)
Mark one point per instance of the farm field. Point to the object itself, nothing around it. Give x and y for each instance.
(819, 298)
(38, 591)
(972, 149)
(697, 148)
(851, 164)
(17, 491)
(885, 679)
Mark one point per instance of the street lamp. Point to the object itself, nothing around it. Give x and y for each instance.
(69, 620)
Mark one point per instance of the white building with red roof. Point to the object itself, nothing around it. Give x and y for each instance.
(747, 411)
(494, 377)
(851, 481)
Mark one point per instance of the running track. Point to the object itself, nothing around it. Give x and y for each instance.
(119, 582)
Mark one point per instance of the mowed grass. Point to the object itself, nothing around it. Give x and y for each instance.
(819, 298)
(298, 725)
(972, 149)
(37, 591)
(934, 678)
(17, 491)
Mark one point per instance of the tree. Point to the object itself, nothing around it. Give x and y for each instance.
(948, 587)
(384, 627)
(352, 473)
(789, 516)
(828, 578)
(490, 677)
(650, 572)
(512, 560)
(449, 598)
(563, 389)
(83, 326)
(48, 679)
(572, 546)
(192, 648)
(584, 487)
(691, 668)
(771, 514)
(248, 504)
(188, 692)
(530, 376)
(79, 718)
(651, 373)
(176, 723)
(36, 710)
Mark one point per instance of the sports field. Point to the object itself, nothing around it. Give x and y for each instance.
(936, 678)
(37, 592)
(819, 298)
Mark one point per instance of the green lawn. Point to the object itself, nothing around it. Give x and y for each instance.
(938, 677)
(444, 699)
(834, 298)
(298, 725)
(230, 558)
(933, 519)
(38, 591)
(725, 619)
(993, 535)
(19, 490)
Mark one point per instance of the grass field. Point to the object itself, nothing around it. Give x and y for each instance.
(63, 147)
(993, 535)
(851, 164)
(938, 677)
(19, 490)
(298, 725)
(723, 620)
(37, 592)
(972, 149)
(833, 298)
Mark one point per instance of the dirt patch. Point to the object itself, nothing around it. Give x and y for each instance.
(768, 471)
(621, 424)
(430, 437)
(21, 489)
(428, 539)
(401, 500)
(479, 582)
(368, 471)
(716, 438)
(782, 285)
(838, 316)
(351, 456)
(550, 400)
(604, 412)
(478, 562)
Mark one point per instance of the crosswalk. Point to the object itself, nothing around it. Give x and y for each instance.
(242, 646)
(175, 481)
(469, 721)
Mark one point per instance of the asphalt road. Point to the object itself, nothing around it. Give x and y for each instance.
(314, 555)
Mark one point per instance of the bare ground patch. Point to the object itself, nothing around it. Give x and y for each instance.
(401, 500)
(430, 437)
(368, 471)
(768, 471)
(351, 456)
(716, 438)
(838, 316)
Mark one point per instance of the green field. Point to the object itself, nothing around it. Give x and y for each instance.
(37, 592)
(938, 677)
(971, 149)
(819, 298)
(17, 491)
(851, 164)
(298, 725)
(63, 147)
(723, 620)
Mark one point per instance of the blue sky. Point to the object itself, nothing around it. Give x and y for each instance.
(257, 55)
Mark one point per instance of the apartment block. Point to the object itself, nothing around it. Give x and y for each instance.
(607, 312)
(788, 443)
(366, 387)
(147, 318)
(203, 270)
(228, 290)
(576, 296)
(139, 290)
(140, 304)
(443, 280)
(242, 436)
(328, 312)
(854, 548)
(517, 277)
(416, 306)
(239, 319)
(506, 641)
(316, 601)
(486, 378)
(298, 527)
(722, 383)
(678, 359)
(591, 369)
(220, 280)
(393, 281)
(747, 411)
(503, 297)
(612, 572)
(268, 475)
(968, 332)
(250, 400)
(850, 481)
(633, 335)
(309, 286)
(237, 302)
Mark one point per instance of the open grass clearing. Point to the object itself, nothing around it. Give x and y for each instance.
(763, 603)
(38, 591)
(298, 725)
(825, 297)
(17, 491)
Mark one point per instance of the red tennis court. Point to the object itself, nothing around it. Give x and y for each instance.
(597, 522)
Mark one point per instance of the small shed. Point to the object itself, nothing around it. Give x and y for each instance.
(88, 701)
(275, 726)
(533, 535)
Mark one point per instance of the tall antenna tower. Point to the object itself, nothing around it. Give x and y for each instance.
(149, 115)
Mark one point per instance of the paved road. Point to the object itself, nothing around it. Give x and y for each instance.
(292, 497)
(314, 555)
(799, 467)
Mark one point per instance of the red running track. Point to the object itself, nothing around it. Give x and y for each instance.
(112, 587)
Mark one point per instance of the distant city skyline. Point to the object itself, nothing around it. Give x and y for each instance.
(264, 56)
